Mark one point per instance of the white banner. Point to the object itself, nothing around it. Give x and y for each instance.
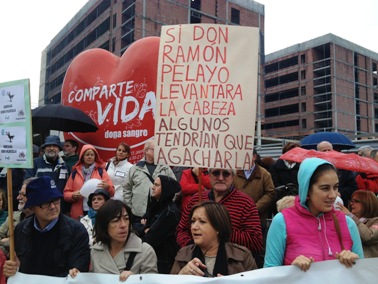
(365, 271)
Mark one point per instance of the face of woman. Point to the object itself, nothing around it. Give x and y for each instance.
(203, 233)
(118, 228)
(323, 193)
(121, 153)
(97, 201)
(356, 207)
(156, 189)
(89, 157)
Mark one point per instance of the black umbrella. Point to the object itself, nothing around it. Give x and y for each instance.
(61, 118)
(337, 140)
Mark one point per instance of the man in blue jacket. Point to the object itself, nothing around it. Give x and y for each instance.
(48, 242)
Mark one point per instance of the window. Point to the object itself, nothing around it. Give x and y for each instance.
(303, 91)
(303, 74)
(303, 107)
(304, 123)
(235, 16)
(303, 58)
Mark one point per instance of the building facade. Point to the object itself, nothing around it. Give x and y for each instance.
(114, 24)
(325, 84)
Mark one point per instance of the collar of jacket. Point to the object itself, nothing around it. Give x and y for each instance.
(255, 174)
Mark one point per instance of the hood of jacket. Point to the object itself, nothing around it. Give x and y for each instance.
(306, 170)
(98, 160)
(169, 187)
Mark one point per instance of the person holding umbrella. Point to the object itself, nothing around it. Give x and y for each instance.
(312, 230)
(88, 167)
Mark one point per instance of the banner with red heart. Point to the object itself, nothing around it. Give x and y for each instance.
(119, 94)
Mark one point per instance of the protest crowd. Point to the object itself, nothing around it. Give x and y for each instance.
(151, 218)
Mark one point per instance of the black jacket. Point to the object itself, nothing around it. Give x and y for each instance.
(71, 249)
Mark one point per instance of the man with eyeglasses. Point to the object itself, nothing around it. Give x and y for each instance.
(138, 183)
(52, 165)
(48, 243)
(243, 212)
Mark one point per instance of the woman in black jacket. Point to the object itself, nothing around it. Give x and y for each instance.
(161, 220)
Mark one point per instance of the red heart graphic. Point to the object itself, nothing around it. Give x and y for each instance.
(117, 93)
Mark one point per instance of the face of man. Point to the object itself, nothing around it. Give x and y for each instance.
(21, 197)
(149, 152)
(47, 212)
(51, 152)
(68, 149)
(221, 180)
(325, 147)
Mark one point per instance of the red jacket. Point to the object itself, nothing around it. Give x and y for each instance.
(367, 181)
(189, 186)
(73, 185)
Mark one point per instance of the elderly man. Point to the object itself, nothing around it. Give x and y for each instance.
(364, 151)
(48, 243)
(243, 212)
(136, 189)
(18, 216)
(52, 165)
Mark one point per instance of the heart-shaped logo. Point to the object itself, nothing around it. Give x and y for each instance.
(119, 94)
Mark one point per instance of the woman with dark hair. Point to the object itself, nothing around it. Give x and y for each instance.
(161, 220)
(118, 168)
(312, 230)
(364, 212)
(212, 254)
(118, 249)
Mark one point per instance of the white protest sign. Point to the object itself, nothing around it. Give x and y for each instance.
(206, 96)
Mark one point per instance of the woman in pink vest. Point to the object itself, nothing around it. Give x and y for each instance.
(312, 230)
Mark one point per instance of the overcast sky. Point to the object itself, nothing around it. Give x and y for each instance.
(27, 27)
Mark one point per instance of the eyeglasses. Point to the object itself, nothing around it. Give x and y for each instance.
(355, 200)
(48, 204)
(217, 173)
(21, 193)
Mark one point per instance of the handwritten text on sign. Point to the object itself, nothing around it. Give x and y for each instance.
(206, 96)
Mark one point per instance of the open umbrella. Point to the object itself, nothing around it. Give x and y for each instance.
(346, 161)
(338, 140)
(61, 118)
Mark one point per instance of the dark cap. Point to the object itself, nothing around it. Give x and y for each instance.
(98, 191)
(41, 190)
(52, 140)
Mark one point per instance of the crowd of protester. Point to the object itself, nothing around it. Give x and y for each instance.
(147, 218)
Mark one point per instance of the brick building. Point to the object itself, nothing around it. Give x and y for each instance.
(325, 84)
(114, 24)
